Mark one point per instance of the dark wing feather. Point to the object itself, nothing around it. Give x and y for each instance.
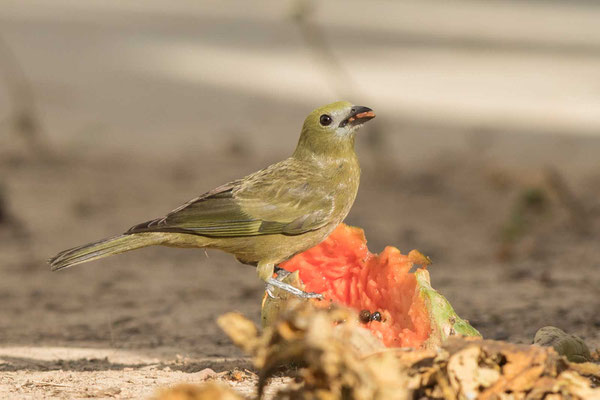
(257, 205)
(214, 213)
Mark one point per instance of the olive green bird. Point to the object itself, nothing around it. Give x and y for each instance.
(268, 216)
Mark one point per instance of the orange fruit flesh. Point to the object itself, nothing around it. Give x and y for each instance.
(343, 270)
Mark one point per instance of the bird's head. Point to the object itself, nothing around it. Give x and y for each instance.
(329, 130)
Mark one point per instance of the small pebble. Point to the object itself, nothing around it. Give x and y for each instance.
(376, 316)
(364, 316)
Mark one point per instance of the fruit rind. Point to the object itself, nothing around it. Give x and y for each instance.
(444, 320)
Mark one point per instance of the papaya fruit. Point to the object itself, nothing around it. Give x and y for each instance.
(398, 305)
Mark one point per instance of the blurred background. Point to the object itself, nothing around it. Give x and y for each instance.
(485, 154)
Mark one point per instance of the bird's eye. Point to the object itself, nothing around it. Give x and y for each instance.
(325, 120)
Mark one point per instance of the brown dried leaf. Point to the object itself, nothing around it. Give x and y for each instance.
(328, 345)
(240, 330)
(571, 383)
(206, 391)
(467, 376)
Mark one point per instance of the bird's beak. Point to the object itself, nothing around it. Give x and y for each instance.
(358, 115)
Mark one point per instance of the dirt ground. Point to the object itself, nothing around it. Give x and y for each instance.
(513, 251)
(486, 160)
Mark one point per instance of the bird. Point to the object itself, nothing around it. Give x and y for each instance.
(268, 216)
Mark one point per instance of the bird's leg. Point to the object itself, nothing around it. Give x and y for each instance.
(281, 274)
(292, 290)
(265, 272)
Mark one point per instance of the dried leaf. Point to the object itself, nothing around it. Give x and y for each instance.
(322, 344)
(467, 376)
(206, 391)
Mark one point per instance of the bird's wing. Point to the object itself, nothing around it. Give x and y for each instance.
(260, 204)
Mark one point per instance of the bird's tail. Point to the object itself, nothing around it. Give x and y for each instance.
(99, 249)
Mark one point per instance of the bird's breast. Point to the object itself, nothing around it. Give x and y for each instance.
(343, 181)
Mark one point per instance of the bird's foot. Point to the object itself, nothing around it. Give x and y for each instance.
(281, 273)
(272, 282)
(269, 290)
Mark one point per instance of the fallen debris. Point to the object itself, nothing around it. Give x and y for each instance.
(207, 391)
(337, 358)
(570, 346)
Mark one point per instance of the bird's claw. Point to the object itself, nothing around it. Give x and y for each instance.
(269, 290)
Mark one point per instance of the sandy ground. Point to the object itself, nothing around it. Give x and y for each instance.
(145, 107)
(160, 304)
(66, 373)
